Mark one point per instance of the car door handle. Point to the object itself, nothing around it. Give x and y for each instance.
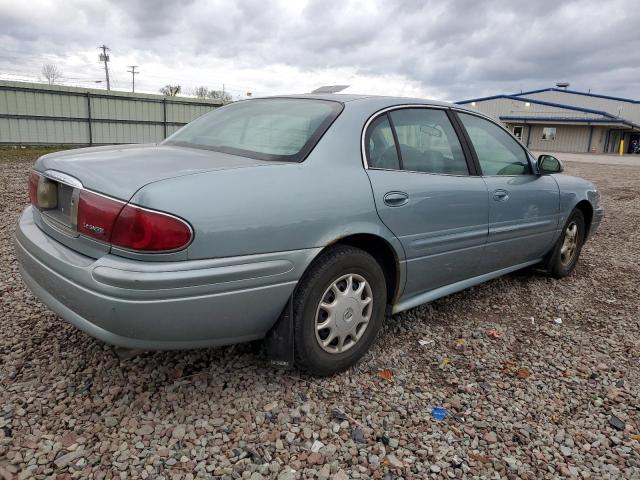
(500, 195)
(396, 199)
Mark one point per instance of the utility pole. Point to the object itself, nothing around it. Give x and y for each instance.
(133, 77)
(104, 57)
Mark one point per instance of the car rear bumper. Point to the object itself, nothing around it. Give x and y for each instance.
(159, 305)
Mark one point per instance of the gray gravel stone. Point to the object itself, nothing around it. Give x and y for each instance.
(566, 451)
(491, 437)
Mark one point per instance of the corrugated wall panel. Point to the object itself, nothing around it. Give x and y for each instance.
(26, 99)
(23, 131)
(118, 109)
(42, 104)
(184, 113)
(126, 133)
(598, 140)
(172, 129)
(569, 138)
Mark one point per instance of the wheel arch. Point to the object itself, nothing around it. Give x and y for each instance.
(384, 253)
(587, 211)
(279, 339)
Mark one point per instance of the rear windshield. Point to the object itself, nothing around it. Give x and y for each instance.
(282, 129)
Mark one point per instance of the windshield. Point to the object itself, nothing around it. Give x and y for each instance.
(284, 129)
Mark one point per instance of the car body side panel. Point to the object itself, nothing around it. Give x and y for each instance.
(573, 190)
(523, 226)
(443, 225)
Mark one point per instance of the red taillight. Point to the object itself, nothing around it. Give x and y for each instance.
(116, 222)
(34, 178)
(97, 214)
(148, 231)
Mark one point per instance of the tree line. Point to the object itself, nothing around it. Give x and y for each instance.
(199, 92)
(53, 74)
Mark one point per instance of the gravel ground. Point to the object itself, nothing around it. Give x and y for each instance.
(528, 396)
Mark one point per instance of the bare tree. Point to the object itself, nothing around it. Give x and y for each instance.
(200, 92)
(51, 73)
(221, 95)
(170, 90)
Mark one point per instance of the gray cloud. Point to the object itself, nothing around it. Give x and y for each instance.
(459, 48)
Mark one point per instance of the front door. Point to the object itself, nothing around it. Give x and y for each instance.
(425, 195)
(524, 208)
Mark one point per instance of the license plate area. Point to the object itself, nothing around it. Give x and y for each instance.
(64, 214)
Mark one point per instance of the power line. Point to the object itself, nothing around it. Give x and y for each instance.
(104, 57)
(133, 77)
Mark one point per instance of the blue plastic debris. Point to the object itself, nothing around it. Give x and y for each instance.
(439, 413)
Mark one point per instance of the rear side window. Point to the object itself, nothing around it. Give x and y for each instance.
(381, 147)
(283, 129)
(428, 142)
(498, 152)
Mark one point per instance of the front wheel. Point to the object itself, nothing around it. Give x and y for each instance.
(338, 309)
(564, 256)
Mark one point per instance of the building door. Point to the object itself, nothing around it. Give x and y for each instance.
(524, 208)
(517, 131)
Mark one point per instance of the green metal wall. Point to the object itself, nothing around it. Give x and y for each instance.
(33, 113)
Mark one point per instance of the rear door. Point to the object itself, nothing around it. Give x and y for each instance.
(426, 194)
(523, 207)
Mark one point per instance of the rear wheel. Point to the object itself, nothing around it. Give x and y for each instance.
(564, 256)
(338, 309)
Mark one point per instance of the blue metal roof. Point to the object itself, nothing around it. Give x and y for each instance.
(523, 98)
(575, 92)
(569, 120)
(540, 102)
(482, 99)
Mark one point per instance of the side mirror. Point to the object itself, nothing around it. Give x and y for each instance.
(549, 164)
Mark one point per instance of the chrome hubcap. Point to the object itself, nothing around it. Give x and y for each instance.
(570, 243)
(343, 313)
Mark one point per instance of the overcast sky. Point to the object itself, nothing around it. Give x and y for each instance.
(449, 50)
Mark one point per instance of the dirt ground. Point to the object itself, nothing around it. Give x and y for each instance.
(540, 378)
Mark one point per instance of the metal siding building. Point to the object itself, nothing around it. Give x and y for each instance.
(40, 114)
(560, 120)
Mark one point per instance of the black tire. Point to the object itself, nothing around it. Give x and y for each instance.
(558, 266)
(331, 265)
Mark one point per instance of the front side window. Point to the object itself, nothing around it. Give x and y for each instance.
(548, 133)
(283, 129)
(497, 151)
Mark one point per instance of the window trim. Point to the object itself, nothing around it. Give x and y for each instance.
(385, 111)
(395, 140)
(472, 163)
(532, 170)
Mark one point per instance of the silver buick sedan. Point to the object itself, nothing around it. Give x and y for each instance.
(305, 220)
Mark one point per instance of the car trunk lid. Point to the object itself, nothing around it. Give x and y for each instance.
(119, 171)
